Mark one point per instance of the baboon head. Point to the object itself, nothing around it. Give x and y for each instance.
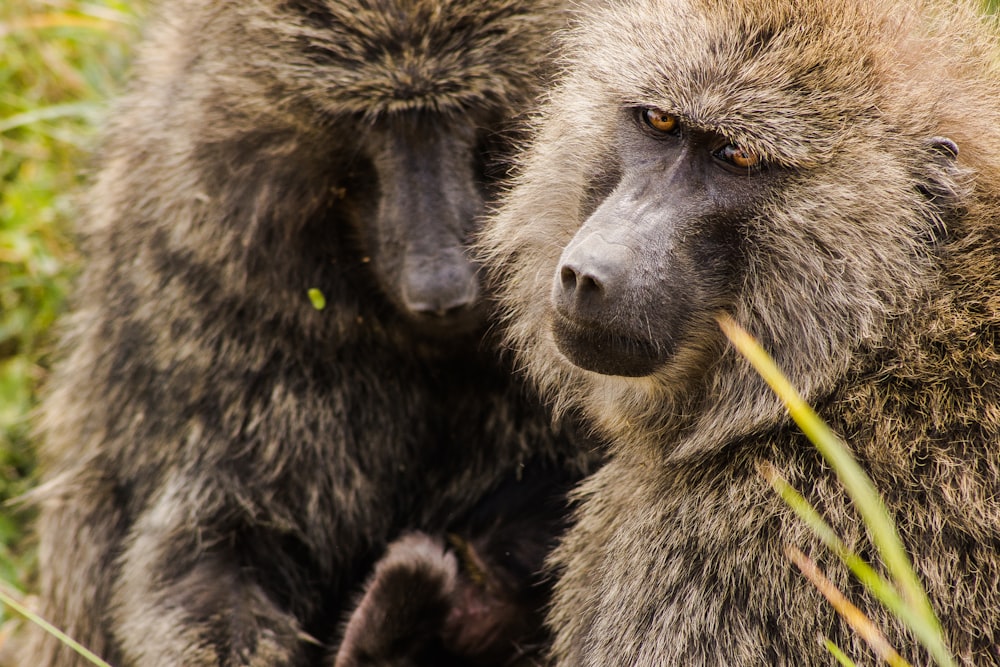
(795, 165)
(423, 93)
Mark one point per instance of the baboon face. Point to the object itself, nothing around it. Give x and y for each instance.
(772, 190)
(424, 95)
(676, 212)
(416, 228)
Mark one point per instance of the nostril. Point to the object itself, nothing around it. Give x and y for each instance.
(577, 283)
(443, 303)
(586, 283)
(568, 276)
(453, 310)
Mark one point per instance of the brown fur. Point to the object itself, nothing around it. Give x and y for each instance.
(868, 269)
(223, 463)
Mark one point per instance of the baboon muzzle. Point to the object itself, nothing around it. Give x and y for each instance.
(428, 206)
(440, 284)
(612, 314)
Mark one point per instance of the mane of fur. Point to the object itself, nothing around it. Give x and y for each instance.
(871, 278)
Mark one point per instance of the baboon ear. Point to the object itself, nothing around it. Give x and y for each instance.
(943, 181)
(944, 146)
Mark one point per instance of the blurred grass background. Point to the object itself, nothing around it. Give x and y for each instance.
(61, 62)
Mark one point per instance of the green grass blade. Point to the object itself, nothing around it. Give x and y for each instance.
(317, 298)
(838, 654)
(87, 110)
(51, 629)
(858, 486)
(859, 622)
(883, 589)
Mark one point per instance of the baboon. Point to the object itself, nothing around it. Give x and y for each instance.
(225, 456)
(827, 174)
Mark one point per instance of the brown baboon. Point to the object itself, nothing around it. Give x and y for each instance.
(827, 174)
(223, 461)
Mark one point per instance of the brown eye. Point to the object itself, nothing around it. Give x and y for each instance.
(738, 156)
(660, 120)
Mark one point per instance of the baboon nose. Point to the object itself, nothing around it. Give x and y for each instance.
(441, 305)
(580, 292)
(589, 277)
(441, 294)
(578, 283)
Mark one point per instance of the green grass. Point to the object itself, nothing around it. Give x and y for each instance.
(60, 63)
(900, 590)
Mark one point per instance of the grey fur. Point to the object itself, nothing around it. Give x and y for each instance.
(223, 463)
(866, 263)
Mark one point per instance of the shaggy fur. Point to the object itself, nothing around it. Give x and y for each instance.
(223, 462)
(867, 266)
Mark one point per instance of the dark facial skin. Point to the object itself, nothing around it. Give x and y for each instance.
(660, 250)
(430, 199)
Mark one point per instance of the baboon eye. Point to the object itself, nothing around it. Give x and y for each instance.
(738, 156)
(660, 121)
